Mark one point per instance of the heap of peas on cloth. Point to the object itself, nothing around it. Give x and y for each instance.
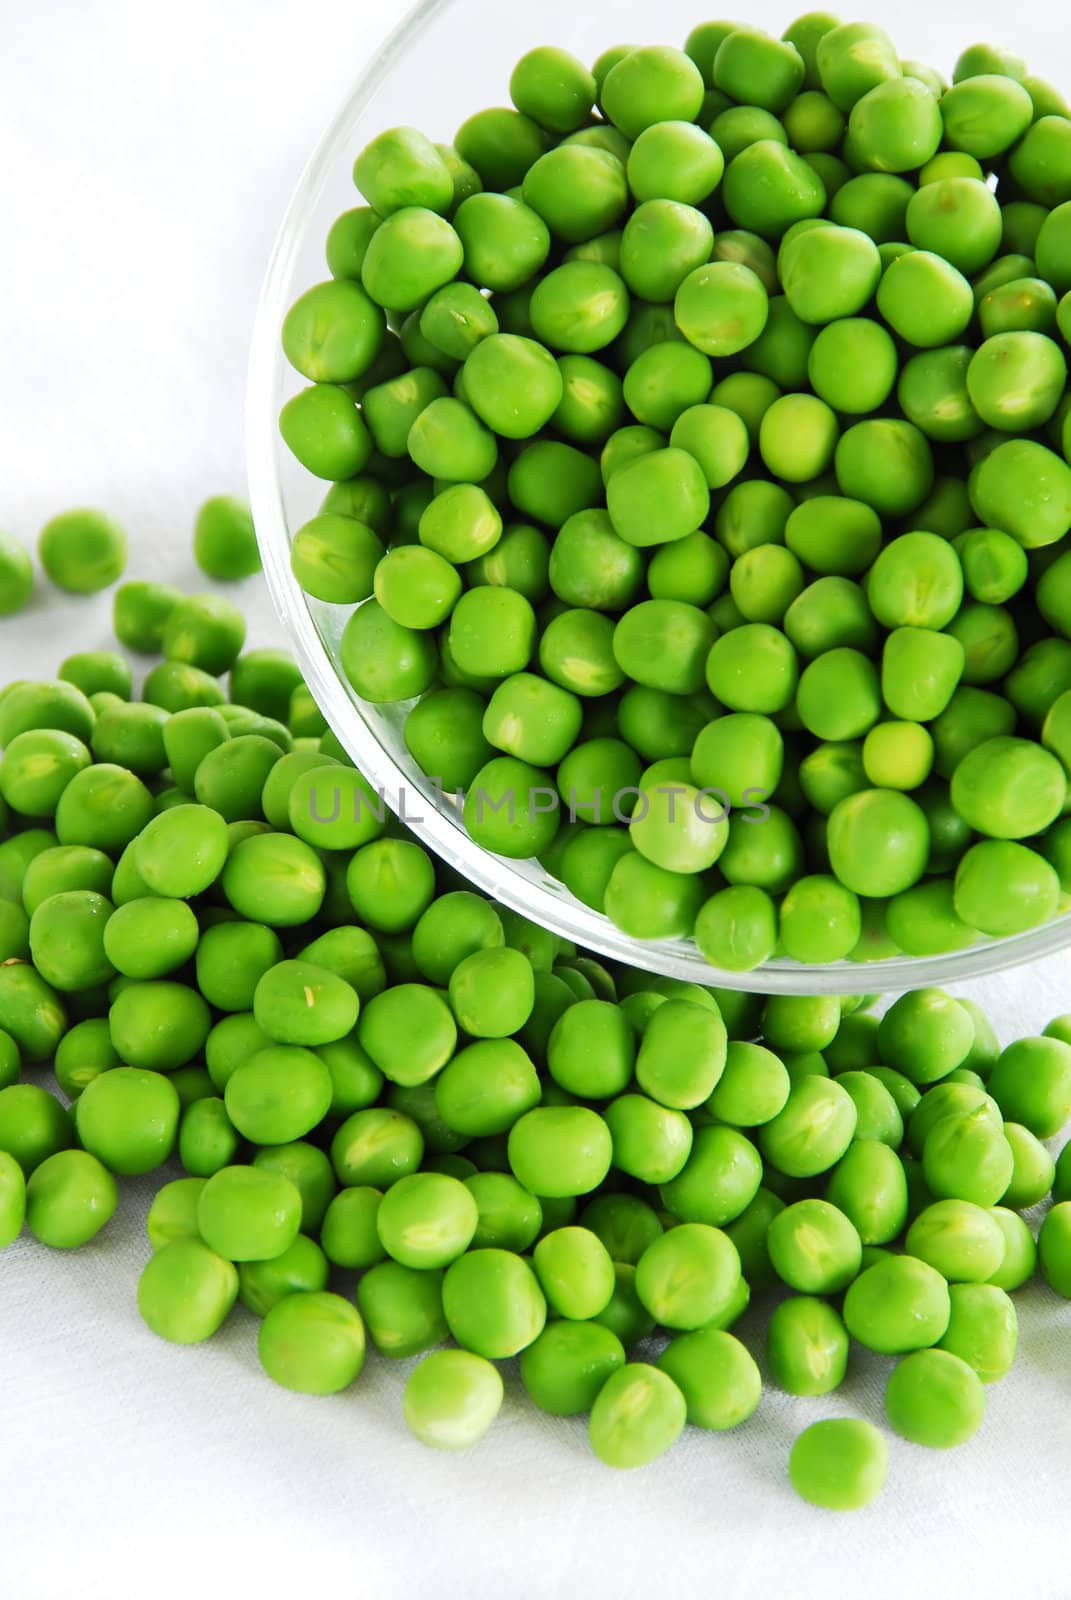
(386, 1112)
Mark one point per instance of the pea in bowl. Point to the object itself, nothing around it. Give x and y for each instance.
(697, 486)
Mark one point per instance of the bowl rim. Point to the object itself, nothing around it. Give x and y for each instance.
(549, 904)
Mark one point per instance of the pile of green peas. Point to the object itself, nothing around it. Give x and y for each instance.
(698, 432)
(391, 1117)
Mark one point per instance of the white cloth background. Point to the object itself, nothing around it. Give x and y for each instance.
(149, 150)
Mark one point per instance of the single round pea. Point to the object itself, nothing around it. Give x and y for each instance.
(82, 551)
(768, 187)
(33, 1125)
(509, 1218)
(1031, 1083)
(163, 1024)
(869, 1185)
(98, 672)
(16, 575)
(408, 1032)
(70, 1197)
(813, 1129)
(934, 1398)
(186, 1291)
(717, 1376)
(278, 1094)
(301, 1269)
(207, 1138)
(1054, 1248)
(37, 766)
(841, 1464)
(566, 1367)
(649, 85)
(575, 1272)
(349, 1234)
(687, 1277)
(12, 1199)
(958, 1238)
(427, 1220)
(492, 993)
(493, 1303)
(312, 1342)
(638, 1413)
(402, 1309)
(925, 1034)
(273, 878)
(896, 1305)
(806, 1346)
(718, 1181)
(150, 938)
(451, 1399)
(560, 1150)
(814, 1248)
(376, 1146)
(966, 1158)
(1020, 1253)
(983, 1329)
(721, 308)
(248, 1214)
(651, 1143)
(128, 1118)
(753, 1087)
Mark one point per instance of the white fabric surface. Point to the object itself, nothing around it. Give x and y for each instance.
(149, 151)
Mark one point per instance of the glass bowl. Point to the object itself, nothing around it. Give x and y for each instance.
(447, 59)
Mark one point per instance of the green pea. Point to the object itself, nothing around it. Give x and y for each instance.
(12, 1199)
(807, 1346)
(812, 1131)
(1031, 1084)
(128, 1118)
(869, 1185)
(1032, 1177)
(150, 938)
(493, 1303)
(82, 551)
(966, 1158)
(651, 1143)
(16, 575)
(508, 1217)
(958, 1238)
(249, 1214)
(638, 1413)
(451, 1399)
(753, 1087)
(70, 1197)
(312, 1342)
(983, 1329)
(1020, 1252)
(575, 1272)
(1054, 1248)
(840, 1464)
(566, 1367)
(208, 1139)
(934, 1398)
(186, 1291)
(376, 1146)
(560, 1150)
(427, 1220)
(814, 1248)
(31, 1011)
(348, 1233)
(300, 1270)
